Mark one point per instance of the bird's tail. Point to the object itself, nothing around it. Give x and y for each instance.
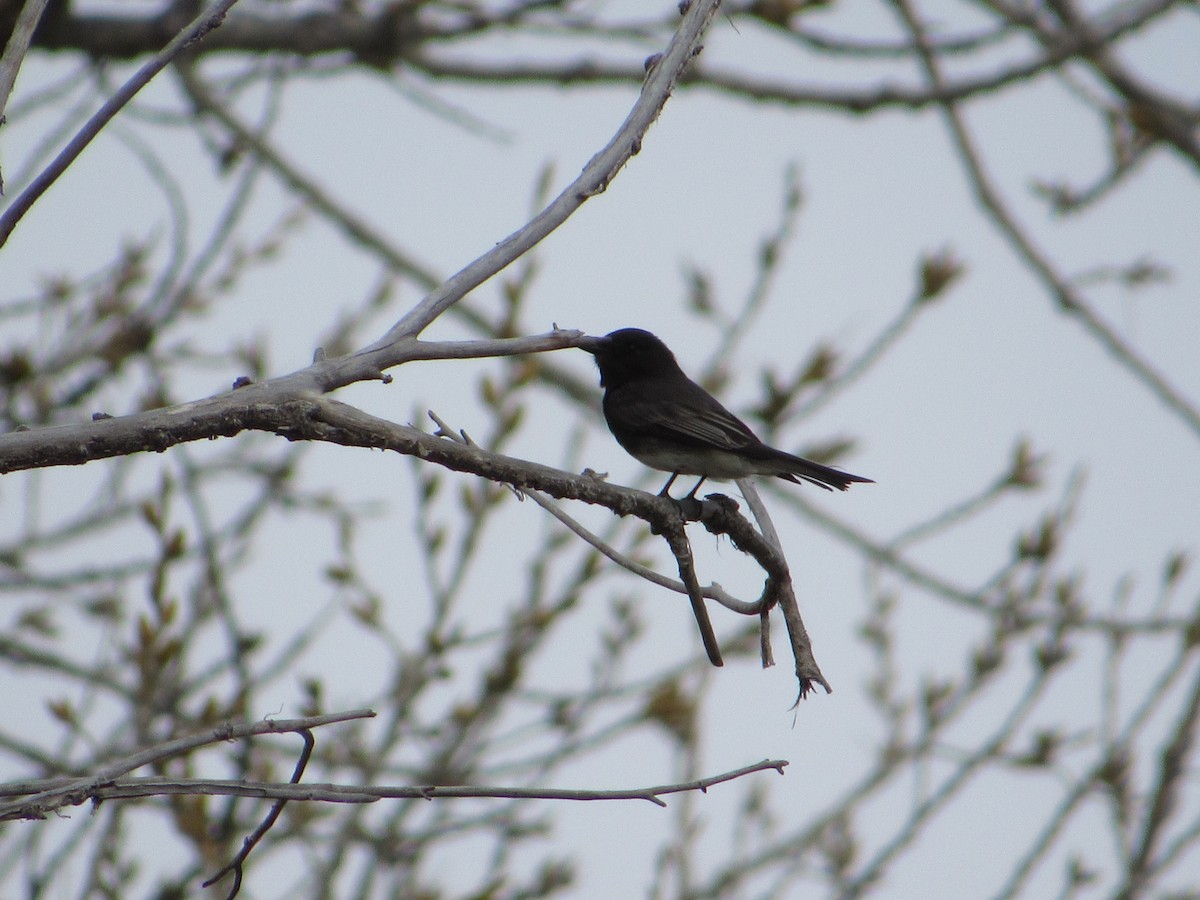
(822, 476)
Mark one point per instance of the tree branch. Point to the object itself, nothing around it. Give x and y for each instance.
(14, 52)
(199, 27)
(56, 793)
(130, 788)
(664, 71)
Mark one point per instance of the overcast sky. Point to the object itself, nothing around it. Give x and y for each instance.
(990, 363)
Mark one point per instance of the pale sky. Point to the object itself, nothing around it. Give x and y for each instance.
(991, 362)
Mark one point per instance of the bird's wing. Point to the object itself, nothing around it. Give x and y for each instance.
(693, 418)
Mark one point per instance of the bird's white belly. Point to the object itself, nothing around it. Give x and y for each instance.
(720, 465)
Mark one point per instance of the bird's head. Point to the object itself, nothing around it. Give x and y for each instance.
(628, 354)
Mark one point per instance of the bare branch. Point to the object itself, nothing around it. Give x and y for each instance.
(199, 27)
(237, 864)
(676, 537)
(71, 791)
(664, 72)
(131, 788)
(712, 592)
(1069, 300)
(14, 52)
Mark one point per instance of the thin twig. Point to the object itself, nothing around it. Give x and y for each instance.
(1069, 300)
(129, 788)
(236, 865)
(75, 790)
(758, 509)
(355, 228)
(664, 73)
(15, 50)
(712, 592)
(1175, 770)
(196, 30)
(676, 538)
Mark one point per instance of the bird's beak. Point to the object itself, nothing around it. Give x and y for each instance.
(593, 345)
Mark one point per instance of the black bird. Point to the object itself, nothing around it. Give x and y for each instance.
(668, 422)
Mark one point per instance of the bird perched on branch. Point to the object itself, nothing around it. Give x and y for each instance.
(668, 422)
